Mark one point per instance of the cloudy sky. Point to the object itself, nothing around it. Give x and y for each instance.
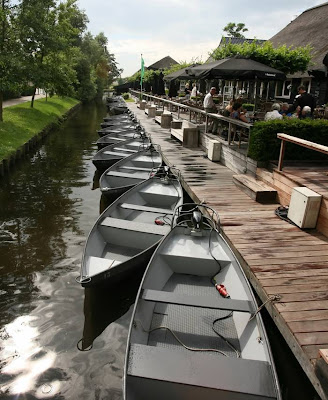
(183, 29)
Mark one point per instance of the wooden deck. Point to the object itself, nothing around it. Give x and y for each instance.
(277, 257)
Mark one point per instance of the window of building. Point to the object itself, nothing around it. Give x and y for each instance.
(307, 83)
(283, 89)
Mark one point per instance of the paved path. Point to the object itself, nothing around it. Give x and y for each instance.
(23, 99)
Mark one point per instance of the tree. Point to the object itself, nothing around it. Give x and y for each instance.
(96, 67)
(10, 51)
(235, 30)
(50, 35)
(286, 59)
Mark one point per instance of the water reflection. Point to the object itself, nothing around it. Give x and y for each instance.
(47, 208)
(105, 305)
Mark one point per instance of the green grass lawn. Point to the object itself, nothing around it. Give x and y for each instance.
(21, 122)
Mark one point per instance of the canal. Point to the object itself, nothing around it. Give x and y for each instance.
(58, 340)
(47, 207)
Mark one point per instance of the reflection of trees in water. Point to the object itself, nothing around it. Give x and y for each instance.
(104, 305)
(37, 206)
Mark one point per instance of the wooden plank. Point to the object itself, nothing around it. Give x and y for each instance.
(310, 338)
(291, 245)
(312, 351)
(303, 143)
(304, 296)
(302, 306)
(299, 273)
(292, 289)
(285, 260)
(256, 190)
(284, 253)
(307, 326)
(295, 281)
(313, 315)
(288, 267)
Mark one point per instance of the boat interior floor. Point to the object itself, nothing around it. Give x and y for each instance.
(194, 326)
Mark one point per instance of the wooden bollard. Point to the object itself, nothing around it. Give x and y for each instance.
(166, 120)
(152, 111)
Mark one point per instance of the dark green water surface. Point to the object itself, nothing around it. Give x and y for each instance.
(47, 207)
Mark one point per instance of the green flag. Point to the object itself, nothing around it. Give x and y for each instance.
(142, 71)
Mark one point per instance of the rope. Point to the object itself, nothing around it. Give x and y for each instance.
(274, 297)
(178, 340)
(282, 213)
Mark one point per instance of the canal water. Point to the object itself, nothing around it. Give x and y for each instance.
(58, 340)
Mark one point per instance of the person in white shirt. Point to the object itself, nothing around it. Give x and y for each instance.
(274, 114)
(194, 90)
(209, 107)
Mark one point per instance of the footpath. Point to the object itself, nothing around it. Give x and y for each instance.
(19, 100)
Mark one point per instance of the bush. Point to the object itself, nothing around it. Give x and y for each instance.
(265, 146)
(248, 107)
(216, 101)
(182, 94)
(28, 90)
(125, 96)
(11, 95)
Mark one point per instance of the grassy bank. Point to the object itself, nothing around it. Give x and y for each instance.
(21, 122)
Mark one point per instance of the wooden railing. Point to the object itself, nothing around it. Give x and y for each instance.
(301, 142)
(232, 123)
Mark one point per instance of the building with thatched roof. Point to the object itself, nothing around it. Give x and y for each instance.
(165, 62)
(161, 64)
(309, 28)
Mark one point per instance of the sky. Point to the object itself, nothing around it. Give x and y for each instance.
(186, 30)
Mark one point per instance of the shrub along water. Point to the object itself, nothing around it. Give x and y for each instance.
(265, 146)
(21, 122)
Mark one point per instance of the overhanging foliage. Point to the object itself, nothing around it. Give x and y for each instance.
(286, 59)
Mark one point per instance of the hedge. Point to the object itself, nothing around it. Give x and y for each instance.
(265, 146)
(248, 106)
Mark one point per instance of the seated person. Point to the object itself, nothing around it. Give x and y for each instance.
(307, 112)
(274, 114)
(237, 113)
(228, 109)
(187, 90)
(285, 110)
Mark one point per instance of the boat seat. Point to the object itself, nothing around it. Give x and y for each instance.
(120, 139)
(136, 168)
(228, 377)
(138, 207)
(114, 153)
(122, 175)
(125, 149)
(220, 303)
(134, 226)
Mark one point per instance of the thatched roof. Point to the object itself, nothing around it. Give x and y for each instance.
(165, 62)
(311, 27)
